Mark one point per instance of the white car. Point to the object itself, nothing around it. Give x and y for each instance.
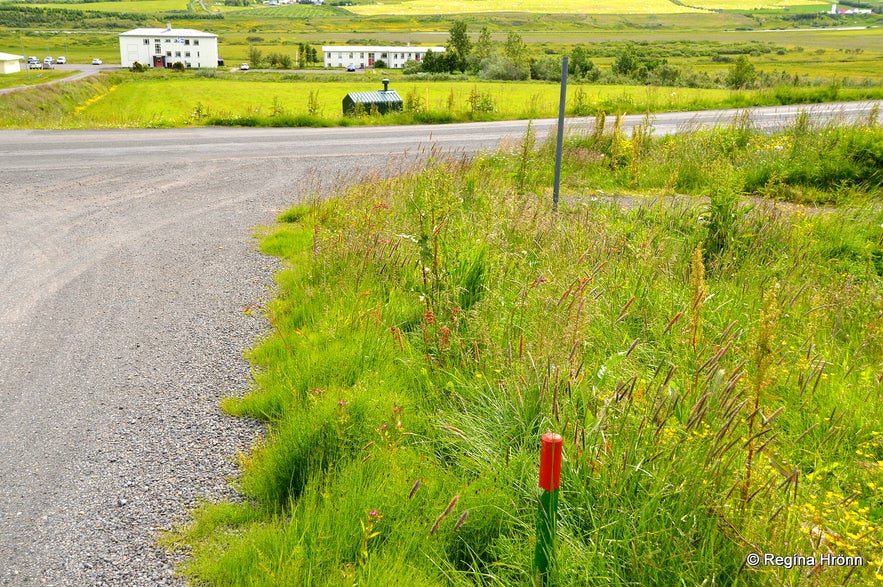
(96, 61)
(61, 60)
(47, 62)
(244, 67)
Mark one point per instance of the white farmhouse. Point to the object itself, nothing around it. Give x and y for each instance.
(362, 56)
(9, 63)
(165, 47)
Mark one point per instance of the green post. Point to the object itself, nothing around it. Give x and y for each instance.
(547, 515)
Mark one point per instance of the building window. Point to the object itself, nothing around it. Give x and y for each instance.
(186, 41)
(167, 41)
(361, 55)
(196, 41)
(177, 53)
(146, 41)
(187, 54)
(156, 41)
(168, 53)
(351, 55)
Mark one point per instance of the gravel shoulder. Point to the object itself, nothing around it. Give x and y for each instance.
(122, 324)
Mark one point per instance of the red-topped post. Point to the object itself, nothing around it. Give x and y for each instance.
(547, 518)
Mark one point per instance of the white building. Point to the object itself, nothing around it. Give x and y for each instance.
(362, 56)
(9, 63)
(165, 47)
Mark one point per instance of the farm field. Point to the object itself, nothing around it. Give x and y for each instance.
(423, 7)
(126, 100)
(173, 103)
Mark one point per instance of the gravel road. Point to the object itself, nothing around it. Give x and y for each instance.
(127, 266)
(125, 280)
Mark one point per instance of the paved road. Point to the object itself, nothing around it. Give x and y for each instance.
(127, 264)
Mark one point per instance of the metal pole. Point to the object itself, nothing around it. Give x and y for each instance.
(547, 515)
(562, 104)
(23, 54)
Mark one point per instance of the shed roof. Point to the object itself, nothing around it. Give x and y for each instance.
(167, 32)
(9, 57)
(378, 97)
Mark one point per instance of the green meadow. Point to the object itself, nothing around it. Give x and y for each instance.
(163, 99)
(700, 320)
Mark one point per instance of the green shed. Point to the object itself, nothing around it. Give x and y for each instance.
(384, 101)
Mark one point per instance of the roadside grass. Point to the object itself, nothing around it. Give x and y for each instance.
(161, 99)
(713, 362)
(51, 106)
(31, 77)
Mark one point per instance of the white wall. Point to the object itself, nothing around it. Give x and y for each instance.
(203, 51)
(10, 66)
(365, 56)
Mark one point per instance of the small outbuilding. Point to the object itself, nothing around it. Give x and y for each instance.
(382, 101)
(10, 63)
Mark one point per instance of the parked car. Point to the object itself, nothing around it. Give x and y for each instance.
(96, 61)
(244, 67)
(47, 62)
(61, 60)
(32, 60)
(35, 65)
(351, 67)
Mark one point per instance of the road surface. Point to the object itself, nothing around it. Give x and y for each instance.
(127, 268)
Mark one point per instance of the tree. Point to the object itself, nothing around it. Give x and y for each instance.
(459, 46)
(742, 74)
(515, 50)
(482, 49)
(255, 56)
(626, 62)
(547, 67)
(436, 62)
(580, 66)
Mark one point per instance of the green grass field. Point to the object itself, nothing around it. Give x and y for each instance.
(134, 6)
(420, 7)
(170, 100)
(173, 102)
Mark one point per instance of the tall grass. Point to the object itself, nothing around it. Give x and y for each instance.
(429, 328)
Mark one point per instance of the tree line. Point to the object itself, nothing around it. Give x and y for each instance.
(632, 63)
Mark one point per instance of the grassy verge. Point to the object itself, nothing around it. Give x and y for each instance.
(31, 77)
(713, 365)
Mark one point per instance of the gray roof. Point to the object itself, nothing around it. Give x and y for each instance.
(166, 32)
(389, 96)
